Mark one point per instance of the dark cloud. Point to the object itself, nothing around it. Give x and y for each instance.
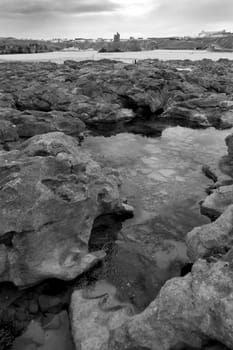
(49, 7)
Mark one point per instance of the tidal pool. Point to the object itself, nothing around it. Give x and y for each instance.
(163, 180)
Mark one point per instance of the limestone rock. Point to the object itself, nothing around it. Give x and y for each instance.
(216, 237)
(51, 193)
(217, 202)
(188, 312)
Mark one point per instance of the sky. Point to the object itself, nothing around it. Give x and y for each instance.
(102, 18)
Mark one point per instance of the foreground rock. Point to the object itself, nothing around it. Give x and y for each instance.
(188, 313)
(51, 193)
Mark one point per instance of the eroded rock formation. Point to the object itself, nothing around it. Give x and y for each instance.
(51, 193)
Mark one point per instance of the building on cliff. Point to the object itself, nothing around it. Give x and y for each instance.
(216, 34)
(117, 38)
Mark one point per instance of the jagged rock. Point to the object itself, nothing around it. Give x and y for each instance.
(51, 193)
(217, 202)
(214, 238)
(217, 175)
(188, 312)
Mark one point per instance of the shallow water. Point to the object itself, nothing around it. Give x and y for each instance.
(162, 179)
(129, 57)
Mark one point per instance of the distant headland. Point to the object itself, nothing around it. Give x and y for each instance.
(222, 40)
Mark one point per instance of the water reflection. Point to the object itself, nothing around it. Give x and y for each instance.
(162, 179)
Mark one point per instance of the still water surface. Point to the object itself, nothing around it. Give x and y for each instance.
(163, 180)
(129, 57)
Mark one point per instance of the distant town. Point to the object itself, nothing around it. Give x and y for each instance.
(116, 37)
(204, 40)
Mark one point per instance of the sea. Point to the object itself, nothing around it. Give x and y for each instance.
(128, 57)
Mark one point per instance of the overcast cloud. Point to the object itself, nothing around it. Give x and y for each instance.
(101, 18)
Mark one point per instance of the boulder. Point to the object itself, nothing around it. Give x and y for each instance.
(51, 193)
(217, 202)
(188, 313)
(213, 238)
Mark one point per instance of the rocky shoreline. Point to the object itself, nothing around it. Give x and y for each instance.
(61, 211)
